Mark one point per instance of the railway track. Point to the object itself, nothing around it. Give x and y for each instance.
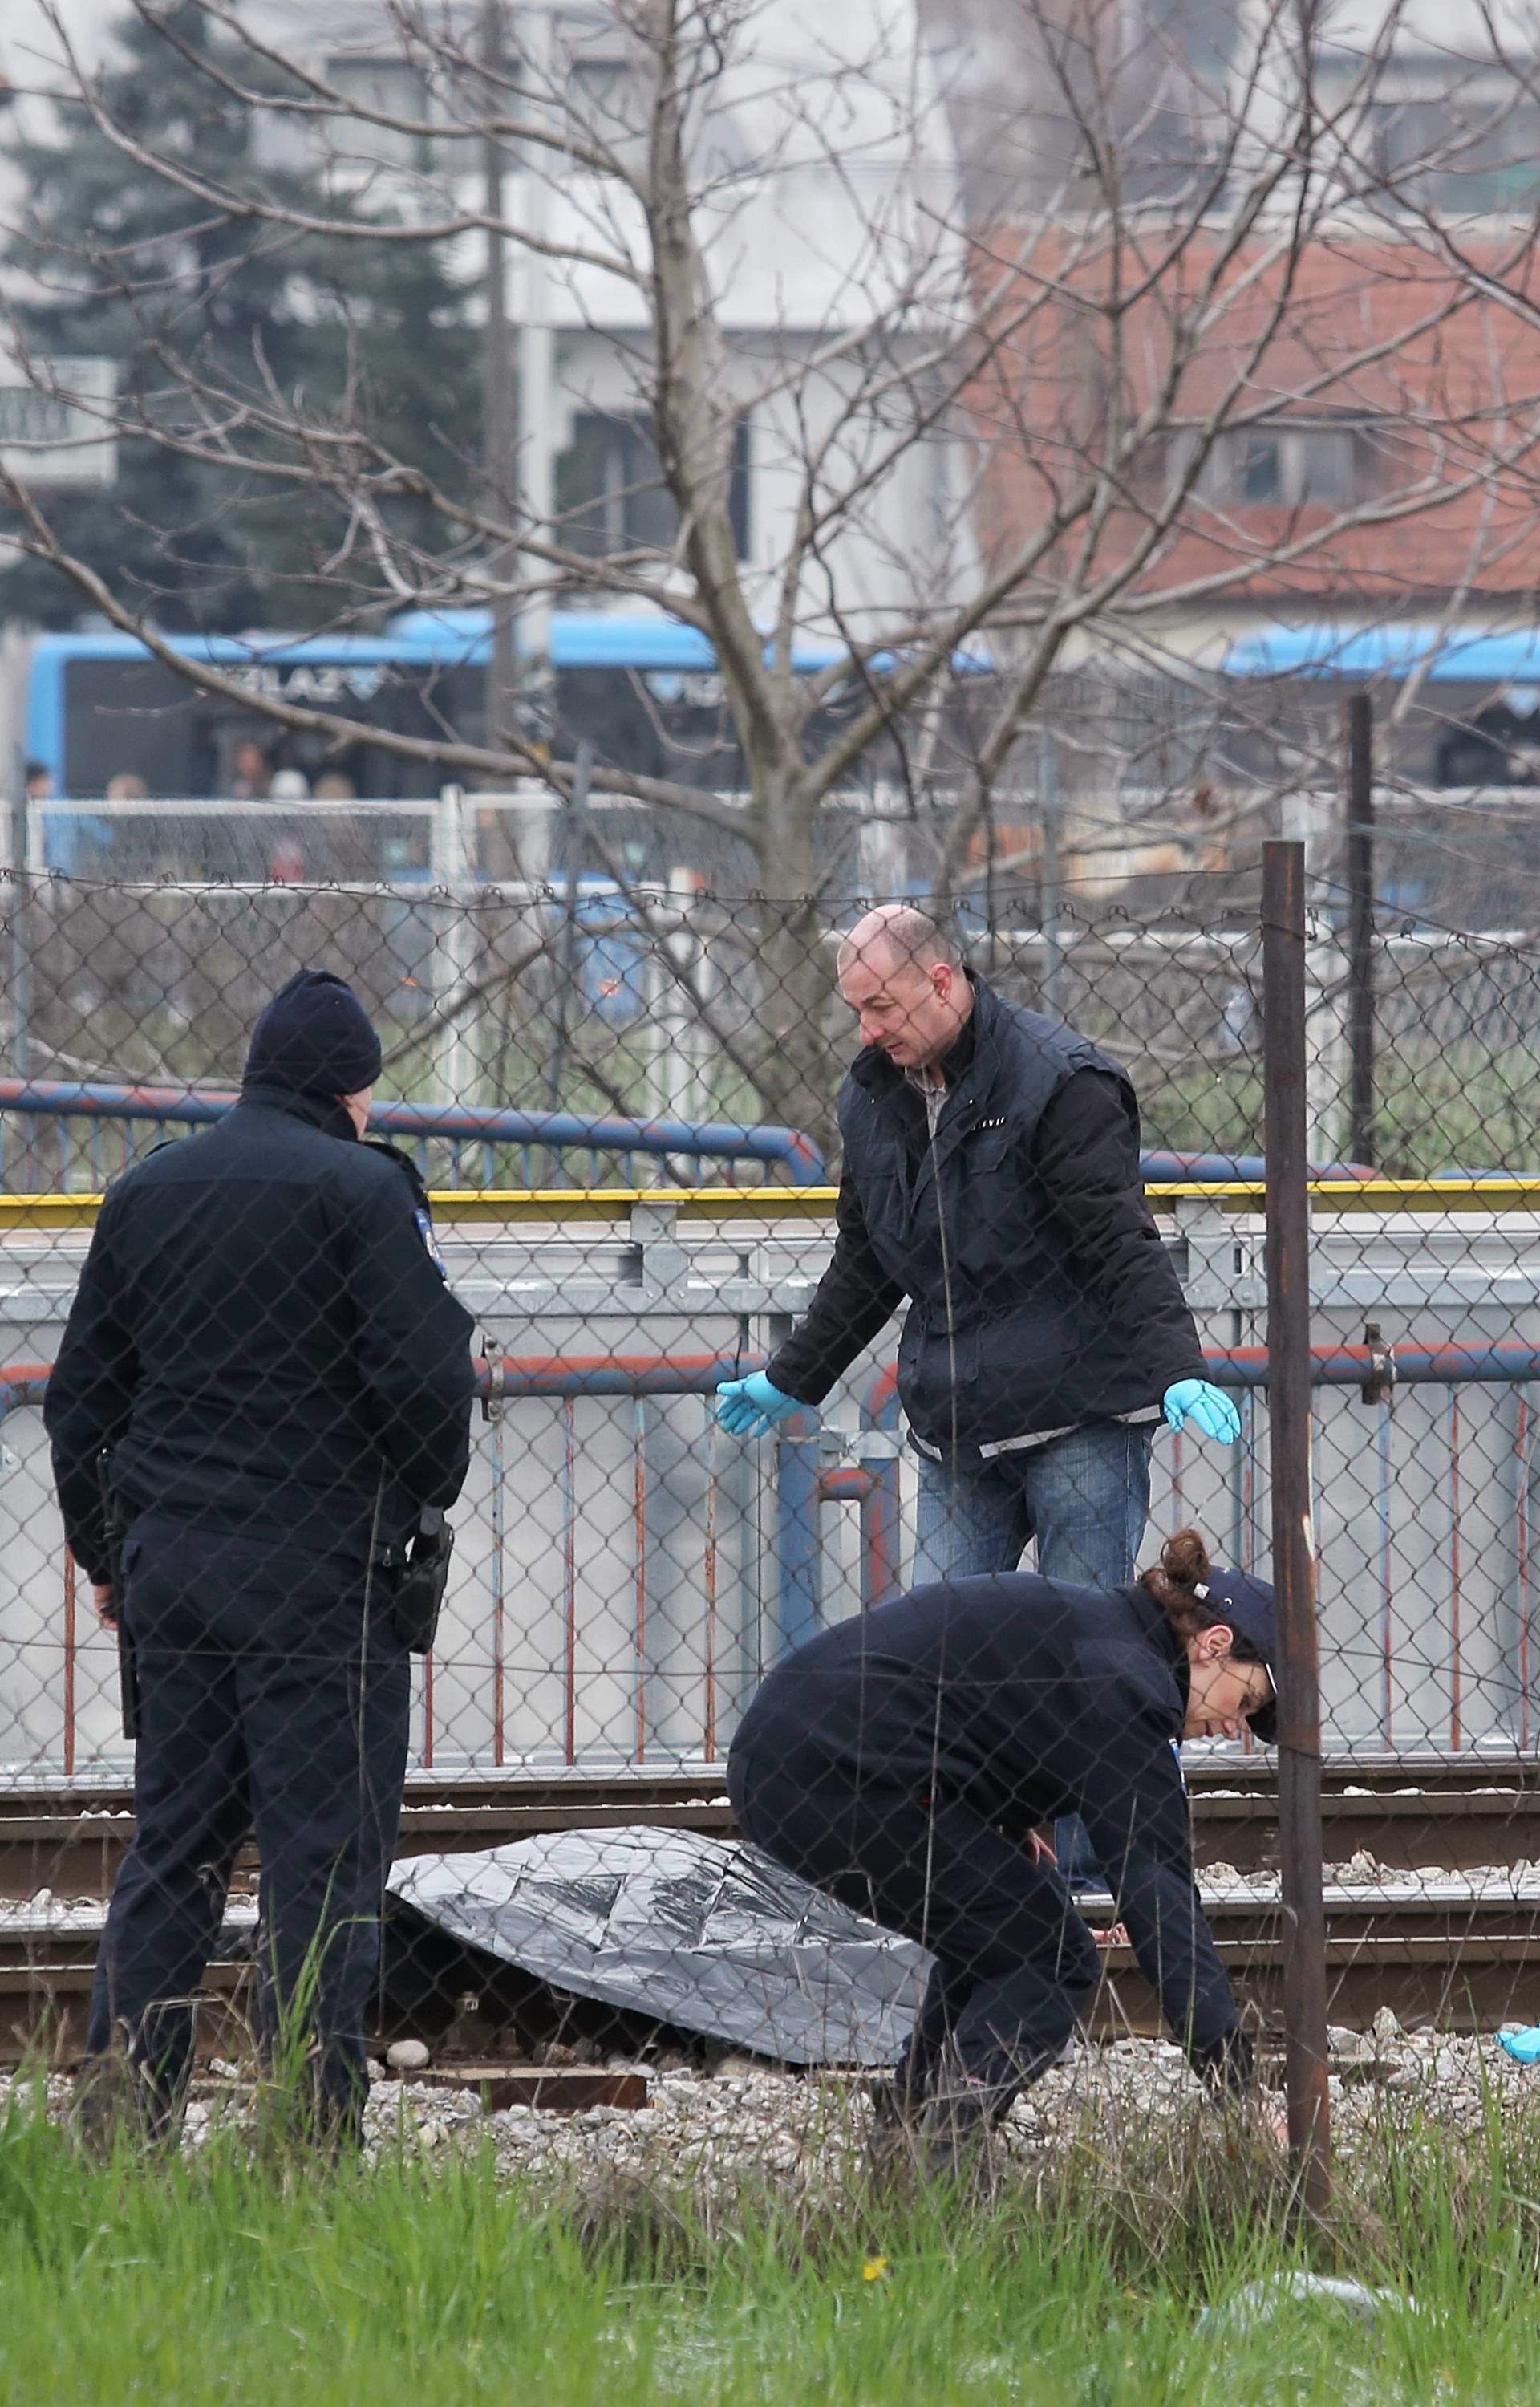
(1407, 1812)
(1419, 1934)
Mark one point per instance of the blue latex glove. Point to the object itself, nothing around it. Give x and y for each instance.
(1207, 1408)
(1523, 2046)
(748, 1407)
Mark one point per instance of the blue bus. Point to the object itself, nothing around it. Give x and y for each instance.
(645, 691)
(1474, 721)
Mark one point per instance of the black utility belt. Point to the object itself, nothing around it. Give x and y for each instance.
(417, 1575)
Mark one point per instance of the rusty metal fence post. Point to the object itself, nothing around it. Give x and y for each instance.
(1298, 1670)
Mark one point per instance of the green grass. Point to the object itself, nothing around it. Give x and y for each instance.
(1466, 1108)
(421, 2280)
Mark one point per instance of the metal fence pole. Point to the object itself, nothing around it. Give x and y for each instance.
(1298, 1669)
(575, 863)
(499, 414)
(1050, 996)
(21, 958)
(456, 1047)
(1360, 864)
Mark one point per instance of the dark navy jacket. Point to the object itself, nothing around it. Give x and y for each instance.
(260, 1332)
(1029, 1202)
(1027, 1699)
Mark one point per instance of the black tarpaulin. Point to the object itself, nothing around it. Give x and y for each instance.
(691, 1931)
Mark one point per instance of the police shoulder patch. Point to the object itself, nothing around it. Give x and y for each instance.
(424, 1219)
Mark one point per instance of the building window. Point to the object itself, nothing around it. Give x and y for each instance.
(605, 91)
(611, 495)
(1464, 159)
(1292, 465)
(1436, 132)
(393, 87)
(609, 100)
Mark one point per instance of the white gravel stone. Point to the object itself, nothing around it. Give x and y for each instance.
(806, 2131)
(408, 2055)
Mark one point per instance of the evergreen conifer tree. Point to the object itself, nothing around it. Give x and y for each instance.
(123, 262)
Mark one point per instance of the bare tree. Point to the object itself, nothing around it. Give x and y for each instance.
(985, 439)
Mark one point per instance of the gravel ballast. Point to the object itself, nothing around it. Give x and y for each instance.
(806, 2133)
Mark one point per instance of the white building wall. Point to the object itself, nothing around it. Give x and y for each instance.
(838, 197)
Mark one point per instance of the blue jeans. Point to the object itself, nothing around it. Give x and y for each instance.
(1085, 1497)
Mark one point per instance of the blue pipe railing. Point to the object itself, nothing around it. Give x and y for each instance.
(528, 1134)
(461, 1125)
(1166, 1169)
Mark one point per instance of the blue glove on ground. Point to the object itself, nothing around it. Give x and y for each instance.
(1523, 2046)
(748, 1407)
(1207, 1408)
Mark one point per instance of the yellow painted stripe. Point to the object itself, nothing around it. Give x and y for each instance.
(1514, 1194)
(49, 1211)
(615, 1204)
(454, 1205)
(1381, 1195)
(499, 1207)
(510, 1206)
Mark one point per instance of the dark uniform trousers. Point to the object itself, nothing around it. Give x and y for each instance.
(274, 1701)
(1016, 1968)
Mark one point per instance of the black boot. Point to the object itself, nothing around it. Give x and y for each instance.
(117, 2105)
(955, 2141)
(893, 2138)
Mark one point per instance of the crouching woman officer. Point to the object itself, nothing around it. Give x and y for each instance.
(904, 1761)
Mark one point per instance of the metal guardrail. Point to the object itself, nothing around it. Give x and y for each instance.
(462, 1126)
(467, 1126)
(805, 1473)
(617, 1542)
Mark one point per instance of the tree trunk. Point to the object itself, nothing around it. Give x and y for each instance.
(799, 1069)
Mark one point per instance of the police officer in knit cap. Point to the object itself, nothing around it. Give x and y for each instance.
(264, 1386)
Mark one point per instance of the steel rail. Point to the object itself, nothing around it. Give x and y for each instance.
(1407, 1814)
(1447, 1958)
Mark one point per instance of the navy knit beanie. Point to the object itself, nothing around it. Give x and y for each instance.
(313, 1038)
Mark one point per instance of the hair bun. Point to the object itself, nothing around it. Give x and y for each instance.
(1185, 1558)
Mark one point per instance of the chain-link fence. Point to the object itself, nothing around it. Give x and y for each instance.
(994, 1352)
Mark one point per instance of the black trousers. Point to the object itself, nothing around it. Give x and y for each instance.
(274, 1701)
(1016, 1968)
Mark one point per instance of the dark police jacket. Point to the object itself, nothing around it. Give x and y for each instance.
(259, 1333)
(1027, 1699)
(1029, 1202)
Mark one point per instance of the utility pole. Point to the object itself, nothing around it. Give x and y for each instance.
(544, 100)
(499, 422)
